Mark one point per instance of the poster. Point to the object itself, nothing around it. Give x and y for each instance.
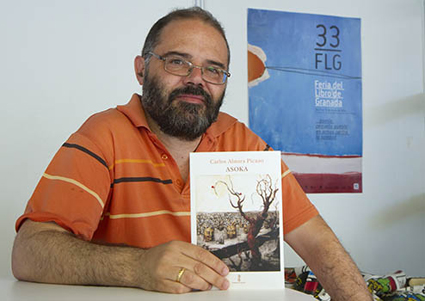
(305, 95)
(236, 201)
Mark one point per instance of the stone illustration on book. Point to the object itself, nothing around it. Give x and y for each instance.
(244, 240)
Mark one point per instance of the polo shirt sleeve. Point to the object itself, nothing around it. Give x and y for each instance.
(73, 190)
(297, 208)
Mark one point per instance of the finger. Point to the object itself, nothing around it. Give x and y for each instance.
(193, 281)
(199, 275)
(209, 275)
(198, 261)
(175, 287)
(201, 255)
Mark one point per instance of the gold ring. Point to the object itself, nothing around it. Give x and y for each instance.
(179, 276)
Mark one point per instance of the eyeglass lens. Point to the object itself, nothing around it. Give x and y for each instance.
(182, 67)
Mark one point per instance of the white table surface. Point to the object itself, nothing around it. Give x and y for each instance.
(11, 289)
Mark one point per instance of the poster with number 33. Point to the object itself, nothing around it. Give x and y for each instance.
(305, 95)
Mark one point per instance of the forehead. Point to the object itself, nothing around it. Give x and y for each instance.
(194, 37)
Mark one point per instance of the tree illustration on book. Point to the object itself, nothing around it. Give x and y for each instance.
(260, 227)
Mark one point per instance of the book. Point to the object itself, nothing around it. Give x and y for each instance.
(236, 202)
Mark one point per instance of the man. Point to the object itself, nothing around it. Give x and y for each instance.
(113, 207)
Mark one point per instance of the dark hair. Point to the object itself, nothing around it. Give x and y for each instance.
(195, 12)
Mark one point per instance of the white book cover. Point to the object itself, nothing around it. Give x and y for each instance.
(236, 201)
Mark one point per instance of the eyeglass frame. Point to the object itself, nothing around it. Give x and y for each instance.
(191, 66)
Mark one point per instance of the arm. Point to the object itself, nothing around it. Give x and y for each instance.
(45, 252)
(315, 242)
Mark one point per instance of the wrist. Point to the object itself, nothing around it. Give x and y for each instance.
(134, 263)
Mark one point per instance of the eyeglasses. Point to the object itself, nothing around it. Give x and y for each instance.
(176, 65)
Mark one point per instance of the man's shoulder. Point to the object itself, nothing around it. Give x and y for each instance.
(106, 125)
(229, 125)
(234, 135)
(224, 123)
(109, 118)
(122, 116)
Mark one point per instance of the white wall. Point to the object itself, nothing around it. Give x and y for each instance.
(61, 61)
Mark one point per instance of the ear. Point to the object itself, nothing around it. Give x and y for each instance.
(139, 68)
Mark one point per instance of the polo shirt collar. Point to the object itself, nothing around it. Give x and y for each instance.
(223, 123)
(134, 111)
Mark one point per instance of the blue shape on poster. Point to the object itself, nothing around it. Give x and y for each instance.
(312, 101)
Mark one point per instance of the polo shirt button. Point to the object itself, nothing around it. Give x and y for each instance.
(164, 156)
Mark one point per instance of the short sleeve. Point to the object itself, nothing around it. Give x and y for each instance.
(297, 208)
(73, 190)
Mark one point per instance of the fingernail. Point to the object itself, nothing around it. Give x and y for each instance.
(225, 285)
(225, 271)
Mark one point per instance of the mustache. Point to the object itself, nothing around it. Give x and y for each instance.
(193, 90)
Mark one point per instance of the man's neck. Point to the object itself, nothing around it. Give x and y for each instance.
(170, 142)
(178, 148)
(175, 144)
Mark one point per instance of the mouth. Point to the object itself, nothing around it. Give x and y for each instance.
(191, 98)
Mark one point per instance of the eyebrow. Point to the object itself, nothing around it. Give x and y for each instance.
(188, 57)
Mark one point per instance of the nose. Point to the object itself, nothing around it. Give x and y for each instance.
(195, 77)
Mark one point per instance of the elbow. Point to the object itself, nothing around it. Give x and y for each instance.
(17, 266)
(30, 256)
(19, 260)
(17, 271)
(23, 255)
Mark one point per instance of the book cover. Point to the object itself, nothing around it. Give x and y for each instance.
(236, 214)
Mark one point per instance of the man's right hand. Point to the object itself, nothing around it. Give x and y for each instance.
(164, 263)
(45, 252)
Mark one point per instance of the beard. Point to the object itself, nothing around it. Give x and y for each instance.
(181, 119)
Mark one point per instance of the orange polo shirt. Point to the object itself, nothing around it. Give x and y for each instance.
(114, 181)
